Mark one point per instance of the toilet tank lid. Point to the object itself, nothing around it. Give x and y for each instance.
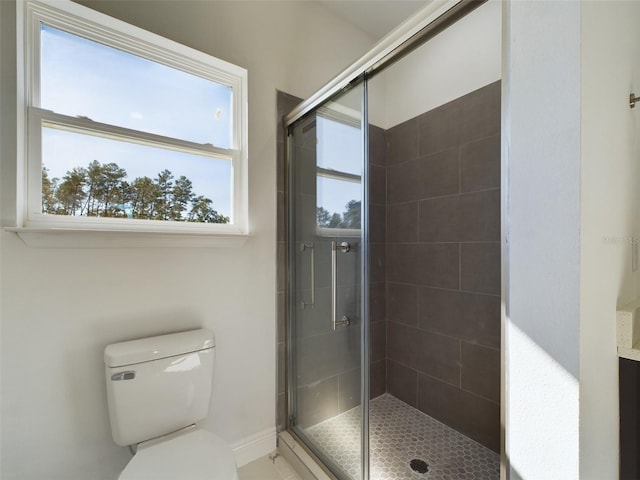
(154, 348)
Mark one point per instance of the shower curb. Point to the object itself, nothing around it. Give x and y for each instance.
(299, 459)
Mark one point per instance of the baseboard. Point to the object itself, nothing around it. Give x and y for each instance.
(254, 446)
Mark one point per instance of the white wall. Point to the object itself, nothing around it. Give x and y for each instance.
(610, 218)
(60, 307)
(572, 212)
(541, 171)
(463, 58)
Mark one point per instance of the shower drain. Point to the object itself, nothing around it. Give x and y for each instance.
(419, 466)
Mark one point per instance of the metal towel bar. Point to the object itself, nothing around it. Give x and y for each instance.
(343, 247)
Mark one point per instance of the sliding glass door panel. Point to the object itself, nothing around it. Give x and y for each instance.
(326, 158)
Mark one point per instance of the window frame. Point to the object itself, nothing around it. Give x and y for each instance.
(87, 23)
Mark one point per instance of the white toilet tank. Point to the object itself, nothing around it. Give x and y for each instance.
(158, 385)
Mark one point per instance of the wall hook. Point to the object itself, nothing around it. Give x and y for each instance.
(633, 99)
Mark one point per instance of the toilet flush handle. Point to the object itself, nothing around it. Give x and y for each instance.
(128, 375)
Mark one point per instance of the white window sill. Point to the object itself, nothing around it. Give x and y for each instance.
(96, 238)
(338, 232)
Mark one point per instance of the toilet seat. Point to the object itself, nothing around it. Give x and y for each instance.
(193, 455)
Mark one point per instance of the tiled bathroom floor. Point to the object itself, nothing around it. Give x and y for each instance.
(398, 434)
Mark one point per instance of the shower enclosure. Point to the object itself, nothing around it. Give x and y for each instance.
(393, 296)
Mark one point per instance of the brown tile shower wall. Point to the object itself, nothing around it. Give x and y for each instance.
(443, 263)
(377, 262)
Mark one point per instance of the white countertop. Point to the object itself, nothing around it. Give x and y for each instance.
(628, 330)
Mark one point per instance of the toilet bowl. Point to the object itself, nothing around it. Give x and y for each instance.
(193, 454)
(157, 389)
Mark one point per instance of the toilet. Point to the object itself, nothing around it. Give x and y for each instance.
(157, 389)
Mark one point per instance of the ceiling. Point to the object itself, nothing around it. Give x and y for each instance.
(375, 17)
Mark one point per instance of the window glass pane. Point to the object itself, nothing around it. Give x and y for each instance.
(92, 176)
(339, 146)
(338, 203)
(83, 78)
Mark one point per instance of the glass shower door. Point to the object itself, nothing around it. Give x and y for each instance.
(325, 248)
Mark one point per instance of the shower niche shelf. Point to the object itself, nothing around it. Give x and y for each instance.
(628, 330)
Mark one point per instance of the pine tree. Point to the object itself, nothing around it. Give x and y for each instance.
(322, 217)
(49, 187)
(100, 190)
(351, 217)
(201, 211)
(70, 193)
(163, 203)
(144, 196)
(110, 190)
(182, 195)
(94, 172)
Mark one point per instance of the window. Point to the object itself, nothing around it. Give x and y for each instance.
(126, 130)
(338, 171)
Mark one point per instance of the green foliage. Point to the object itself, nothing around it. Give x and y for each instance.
(143, 198)
(163, 202)
(48, 192)
(202, 212)
(182, 198)
(71, 193)
(349, 219)
(101, 190)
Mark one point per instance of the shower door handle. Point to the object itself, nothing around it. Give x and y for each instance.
(343, 247)
(310, 246)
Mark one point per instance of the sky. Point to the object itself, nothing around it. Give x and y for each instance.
(84, 78)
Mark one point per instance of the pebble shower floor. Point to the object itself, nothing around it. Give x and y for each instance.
(398, 434)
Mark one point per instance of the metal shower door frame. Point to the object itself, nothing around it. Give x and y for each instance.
(410, 35)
